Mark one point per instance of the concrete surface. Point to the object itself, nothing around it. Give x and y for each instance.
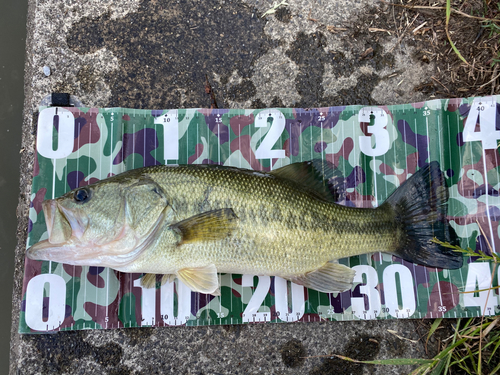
(158, 54)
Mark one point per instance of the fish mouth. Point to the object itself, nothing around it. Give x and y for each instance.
(45, 250)
(70, 252)
(62, 224)
(61, 234)
(50, 210)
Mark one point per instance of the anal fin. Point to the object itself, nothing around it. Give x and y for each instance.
(167, 279)
(332, 277)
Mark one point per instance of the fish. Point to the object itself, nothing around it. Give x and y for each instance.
(192, 222)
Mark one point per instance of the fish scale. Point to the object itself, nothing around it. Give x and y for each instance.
(281, 230)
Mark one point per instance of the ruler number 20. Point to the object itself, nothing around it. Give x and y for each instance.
(282, 294)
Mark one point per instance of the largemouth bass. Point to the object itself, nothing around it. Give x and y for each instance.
(195, 221)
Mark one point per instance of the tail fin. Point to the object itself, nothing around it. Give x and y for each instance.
(420, 207)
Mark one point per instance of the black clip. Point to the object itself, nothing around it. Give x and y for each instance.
(59, 99)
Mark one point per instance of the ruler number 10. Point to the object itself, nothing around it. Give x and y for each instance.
(482, 111)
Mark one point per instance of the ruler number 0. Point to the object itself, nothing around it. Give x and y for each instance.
(35, 308)
(49, 120)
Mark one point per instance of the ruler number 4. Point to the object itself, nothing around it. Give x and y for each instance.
(482, 111)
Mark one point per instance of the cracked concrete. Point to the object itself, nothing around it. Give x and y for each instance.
(115, 40)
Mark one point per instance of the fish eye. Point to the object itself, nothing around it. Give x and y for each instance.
(81, 195)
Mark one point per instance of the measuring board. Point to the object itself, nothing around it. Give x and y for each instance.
(376, 149)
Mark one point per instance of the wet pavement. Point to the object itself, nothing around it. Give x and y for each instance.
(162, 54)
(12, 45)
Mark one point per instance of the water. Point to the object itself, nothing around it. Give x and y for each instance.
(12, 46)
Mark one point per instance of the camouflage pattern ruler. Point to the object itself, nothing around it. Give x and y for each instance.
(376, 148)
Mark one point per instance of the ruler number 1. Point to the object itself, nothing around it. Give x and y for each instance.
(482, 111)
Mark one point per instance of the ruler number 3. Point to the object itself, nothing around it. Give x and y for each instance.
(379, 133)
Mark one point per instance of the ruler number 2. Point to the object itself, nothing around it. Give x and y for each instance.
(264, 151)
(483, 111)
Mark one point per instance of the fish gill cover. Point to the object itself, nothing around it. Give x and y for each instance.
(375, 148)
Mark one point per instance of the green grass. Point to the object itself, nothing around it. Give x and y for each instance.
(493, 27)
(489, 20)
(472, 349)
(455, 49)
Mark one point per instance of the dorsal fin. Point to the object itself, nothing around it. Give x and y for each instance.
(319, 177)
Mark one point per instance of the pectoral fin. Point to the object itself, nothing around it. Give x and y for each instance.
(332, 277)
(207, 226)
(201, 279)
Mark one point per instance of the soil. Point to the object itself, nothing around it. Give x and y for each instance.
(477, 40)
